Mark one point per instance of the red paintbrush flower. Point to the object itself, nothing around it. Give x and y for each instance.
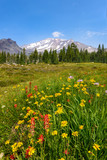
(12, 157)
(46, 121)
(41, 138)
(68, 100)
(15, 105)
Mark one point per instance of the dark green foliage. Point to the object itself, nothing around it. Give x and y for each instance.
(71, 54)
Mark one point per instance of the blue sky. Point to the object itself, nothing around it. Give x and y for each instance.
(27, 21)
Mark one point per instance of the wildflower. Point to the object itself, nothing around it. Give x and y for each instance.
(105, 91)
(58, 105)
(82, 104)
(61, 159)
(57, 94)
(91, 153)
(96, 146)
(68, 94)
(23, 108)
(66, 152)
(92, 80)
(68, 100)
(80, 80)
(29, 95)
(19, 144)
(20, 121)
(12, 157)
(46, 122)
(96, 84)
(41, 139)
(54, 133)
(1, 155)
(63, 123)
(70, 77)
(64, 135)
(98, 95)
(29, 152)
(89, 101)
(81, 127)
(59, 111)
(7, 142)
(15, 105)
(75, 134)
(16, 127)
(3, 106)
(36, 102)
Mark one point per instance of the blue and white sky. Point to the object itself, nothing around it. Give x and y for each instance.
(28, 21)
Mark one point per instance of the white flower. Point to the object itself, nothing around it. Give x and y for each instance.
(1, 155)
(3, 106)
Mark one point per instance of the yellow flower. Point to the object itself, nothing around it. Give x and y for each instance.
(19, 144)
(96, 146)
(81, 127)
(41, 104)
(16, 127)
(63, 123)
(64, 135)
(58, 105)
(36, 102)
(51, 96)
(54, 133)
(61, 159)
(15, 99)
(67, 88)
(27, 100)
(68, 94)
(59, 111)
(83, 101)
(23, 108)
(82, 104)
(92, 80)
(7, 142)
(57, 94)
(28, 126)
(21, 121)
(98, 95)
(29, 135)
(75, 133)
(31, 151)
(91, 153)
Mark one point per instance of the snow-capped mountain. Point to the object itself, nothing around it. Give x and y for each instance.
(55, 44)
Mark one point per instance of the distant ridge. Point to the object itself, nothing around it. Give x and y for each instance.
(10, 46)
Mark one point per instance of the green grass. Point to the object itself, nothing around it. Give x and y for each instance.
(52, 79)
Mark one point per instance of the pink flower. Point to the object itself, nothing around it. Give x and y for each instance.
(66, 152)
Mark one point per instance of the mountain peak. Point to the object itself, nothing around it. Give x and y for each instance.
(55, 44)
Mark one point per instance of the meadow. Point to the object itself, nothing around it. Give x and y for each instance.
(53, 112)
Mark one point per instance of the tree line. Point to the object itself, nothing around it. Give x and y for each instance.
(71, 54)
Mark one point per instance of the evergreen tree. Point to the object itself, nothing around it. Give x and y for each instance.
(45, 56)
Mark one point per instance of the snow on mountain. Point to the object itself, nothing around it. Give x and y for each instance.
(55, 44)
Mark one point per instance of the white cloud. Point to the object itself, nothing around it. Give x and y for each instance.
(57, 34)
(91, 33)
